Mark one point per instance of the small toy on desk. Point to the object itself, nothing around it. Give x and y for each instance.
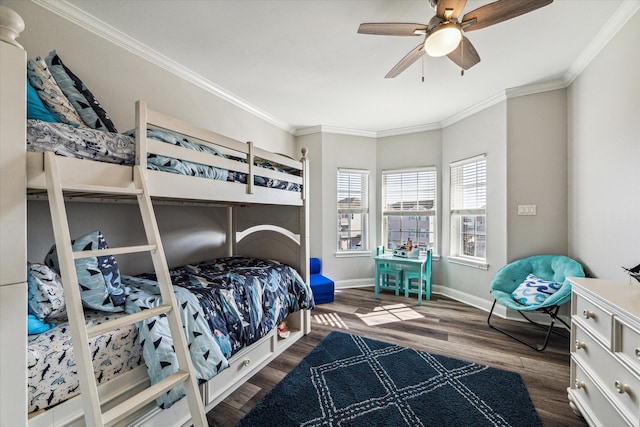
(409, 250)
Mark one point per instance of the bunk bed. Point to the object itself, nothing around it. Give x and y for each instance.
(181, 163)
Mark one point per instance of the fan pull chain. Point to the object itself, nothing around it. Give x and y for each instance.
(422, 68)
(462, 68)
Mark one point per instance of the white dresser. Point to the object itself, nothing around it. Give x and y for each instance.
(605, 352)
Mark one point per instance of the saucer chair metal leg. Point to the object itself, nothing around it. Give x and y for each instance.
(551, 311)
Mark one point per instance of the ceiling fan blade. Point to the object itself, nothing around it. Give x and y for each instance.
(465, 55)
(393, 29)
(455, 5)
(500, 11)
(404, 63)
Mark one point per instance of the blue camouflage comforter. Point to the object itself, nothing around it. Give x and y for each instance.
(226, 304)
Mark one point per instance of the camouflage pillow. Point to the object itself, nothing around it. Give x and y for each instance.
(99, 277)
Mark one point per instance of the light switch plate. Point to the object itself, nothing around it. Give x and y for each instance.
(526, 209)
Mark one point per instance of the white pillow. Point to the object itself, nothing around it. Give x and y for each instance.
(534, 291)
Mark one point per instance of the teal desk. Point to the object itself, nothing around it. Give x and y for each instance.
(416, 263)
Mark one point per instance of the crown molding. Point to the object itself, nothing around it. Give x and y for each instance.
(409, 129)
(476, 108)
(90, 23)
(334, 129)
(619, 18)
(534, 88)
(364, 133)
(308, 130)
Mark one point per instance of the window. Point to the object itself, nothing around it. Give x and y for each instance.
(409, 207)
(469, 209)
(353, 210)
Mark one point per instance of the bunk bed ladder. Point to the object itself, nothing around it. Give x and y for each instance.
(94, 414)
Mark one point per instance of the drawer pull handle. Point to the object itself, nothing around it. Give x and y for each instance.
(579, 384)
(246, 362)
(588, 314)
(580, 344)
(638, 353)
(622, 387)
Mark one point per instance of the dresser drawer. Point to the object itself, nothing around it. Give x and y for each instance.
(243, 364)
(593, 317)
(591, 401)
(619, 383)
(626, 344)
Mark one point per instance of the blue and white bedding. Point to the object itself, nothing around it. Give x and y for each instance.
(81, 143)
(226, 304)
(108, 147)
(53, 375)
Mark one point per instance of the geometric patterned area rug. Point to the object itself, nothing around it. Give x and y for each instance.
(349, 380)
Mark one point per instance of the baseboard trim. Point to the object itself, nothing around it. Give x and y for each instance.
(465, 298)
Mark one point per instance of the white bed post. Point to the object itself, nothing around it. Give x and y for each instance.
(304, 235)
(250, 159)
(304, 217)
(13, 219)
(141, 135)
(232, 229)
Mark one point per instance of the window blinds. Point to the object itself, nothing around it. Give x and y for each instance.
(353, 191)
(469, 186)
(409, 192)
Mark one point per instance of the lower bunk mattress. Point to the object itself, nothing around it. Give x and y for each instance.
(225, 305)
(53, 376)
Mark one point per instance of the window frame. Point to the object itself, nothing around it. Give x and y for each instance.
(363, 210)
(468, 198)
(420, 193)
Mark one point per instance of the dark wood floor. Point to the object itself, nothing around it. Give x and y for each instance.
(440, 326)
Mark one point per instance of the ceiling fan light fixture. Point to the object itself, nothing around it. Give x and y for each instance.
(443, 39)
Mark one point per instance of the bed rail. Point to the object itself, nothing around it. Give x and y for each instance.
(235, 156)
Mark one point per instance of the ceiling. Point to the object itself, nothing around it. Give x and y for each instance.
(301, 63)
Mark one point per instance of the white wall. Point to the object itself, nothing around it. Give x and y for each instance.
(604, 158)
(484, 132)
(537, 174)
(353, 152)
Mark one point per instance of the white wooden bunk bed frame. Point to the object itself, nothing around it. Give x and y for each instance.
(244, 235)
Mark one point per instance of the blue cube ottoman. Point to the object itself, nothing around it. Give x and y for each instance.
(322, 287)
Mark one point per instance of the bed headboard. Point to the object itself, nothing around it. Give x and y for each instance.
(279, 233)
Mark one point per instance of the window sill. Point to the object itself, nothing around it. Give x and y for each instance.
(352, 254)
(468, 262)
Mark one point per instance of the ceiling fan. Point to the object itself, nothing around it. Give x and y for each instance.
(444, 34)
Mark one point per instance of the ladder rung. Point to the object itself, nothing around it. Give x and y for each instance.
(101, 189)
(138, 401)
(114, 251)
(114, 324)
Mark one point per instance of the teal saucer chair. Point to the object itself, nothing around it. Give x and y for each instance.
(551, 268)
